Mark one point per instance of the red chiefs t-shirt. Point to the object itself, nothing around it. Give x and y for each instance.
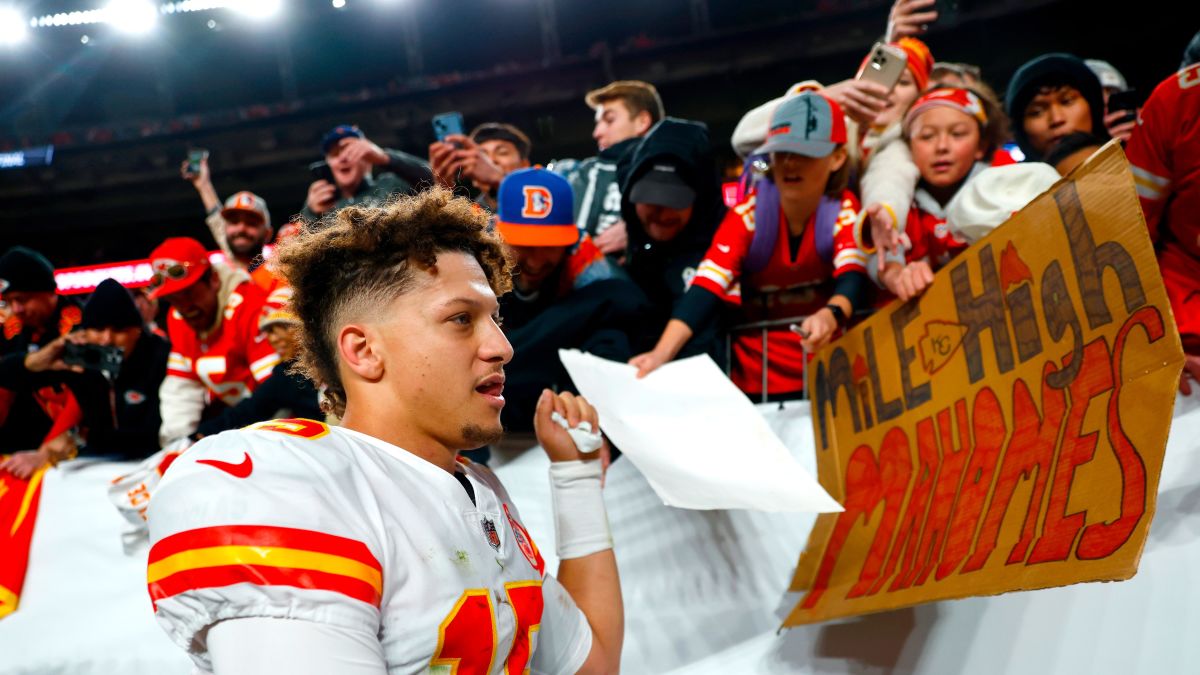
(233, 359)
(794, 283)
(1165, 153)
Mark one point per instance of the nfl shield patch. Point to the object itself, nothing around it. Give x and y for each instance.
(490, 533)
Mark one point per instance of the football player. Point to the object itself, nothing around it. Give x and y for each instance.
(371, 547)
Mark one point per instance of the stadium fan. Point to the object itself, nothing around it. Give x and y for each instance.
(492, 151)
(672, 203)
(889, 174)
(796, 257)
(625, 111)
(566, 294)
(31, 416)
(951, 132)
(1050, 97)
(352, 159)
(1072, 151)
(117, 411)
(217, 355)
(285, 394)
(1165, 153)
(370, 547)
(241, 227)
(1119, 123)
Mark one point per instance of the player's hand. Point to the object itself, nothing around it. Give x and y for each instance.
(907, 281)
(910, 18)
(614, 239)
(1191, 371)
(819, 327)
(321, 196)
(552, 437)
(359, 149)
(860, 99)
(23, 464)
(1117, 128)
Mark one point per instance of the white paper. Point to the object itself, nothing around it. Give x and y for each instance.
(697, 439)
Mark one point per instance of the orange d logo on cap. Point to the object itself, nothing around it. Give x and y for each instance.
(538, 202)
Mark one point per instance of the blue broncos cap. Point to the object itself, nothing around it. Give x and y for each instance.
(536, 208)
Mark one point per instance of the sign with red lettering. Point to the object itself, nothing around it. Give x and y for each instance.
(1005, 430)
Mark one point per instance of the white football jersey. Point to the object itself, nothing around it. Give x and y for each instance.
(295, 519)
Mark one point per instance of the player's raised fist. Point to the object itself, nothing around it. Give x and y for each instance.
(580, 419)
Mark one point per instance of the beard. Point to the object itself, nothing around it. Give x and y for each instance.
(243, 246)
(476, 436)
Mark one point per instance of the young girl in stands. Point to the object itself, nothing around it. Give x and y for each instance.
(788, 250)
(950, 131)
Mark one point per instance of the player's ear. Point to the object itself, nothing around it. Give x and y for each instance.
(358, 350)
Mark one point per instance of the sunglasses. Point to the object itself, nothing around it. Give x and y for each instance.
(165, 270)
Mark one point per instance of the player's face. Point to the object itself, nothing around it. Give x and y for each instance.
(945, 145)
(444, 354)
(33, 308)
(1056, 112)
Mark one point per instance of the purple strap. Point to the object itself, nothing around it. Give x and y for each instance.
(766, 226)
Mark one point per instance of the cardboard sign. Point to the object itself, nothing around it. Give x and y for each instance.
(1005, 430)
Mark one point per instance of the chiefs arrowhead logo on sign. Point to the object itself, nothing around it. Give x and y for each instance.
(938, 344)
(537, 202)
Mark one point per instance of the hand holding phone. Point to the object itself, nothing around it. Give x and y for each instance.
(195, 158)
(106, 360)
(884, 65)
(448, 124)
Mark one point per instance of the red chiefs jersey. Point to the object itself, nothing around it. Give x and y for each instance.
(1165, 153)
(932, 240)
(792, 284)
(231, 360)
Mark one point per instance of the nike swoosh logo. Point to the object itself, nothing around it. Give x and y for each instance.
(239, 470)
(722, 248)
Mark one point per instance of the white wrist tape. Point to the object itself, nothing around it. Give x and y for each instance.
(586, 440)
(580, 521)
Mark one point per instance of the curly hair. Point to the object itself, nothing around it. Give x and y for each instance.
(364, 257)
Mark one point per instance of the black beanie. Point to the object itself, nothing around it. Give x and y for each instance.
(1052, 70)
(111, 306)
(24, 269)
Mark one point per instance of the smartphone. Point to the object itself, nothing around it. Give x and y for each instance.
(107, 360)
(884, 66)
(947, 10)
(321, 171)
(195, 156)
(447, 124)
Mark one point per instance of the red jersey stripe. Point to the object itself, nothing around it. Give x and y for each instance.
(261, 575)
(266, 536)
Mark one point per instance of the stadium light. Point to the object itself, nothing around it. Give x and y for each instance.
(135, 17)
(338, 4)
(258, 9)
(13, 27)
